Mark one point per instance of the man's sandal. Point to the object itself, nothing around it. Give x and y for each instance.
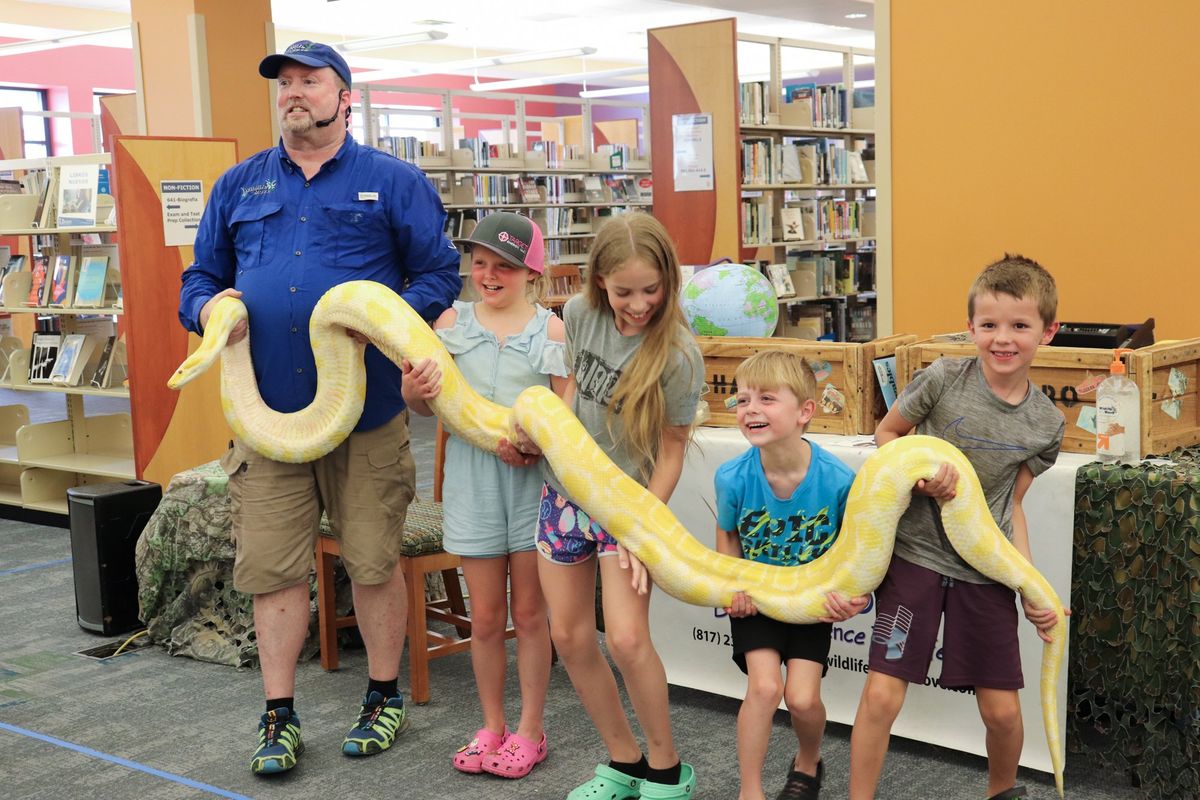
(516, 758)
(608, 784)
(469, 757)
(678, 791)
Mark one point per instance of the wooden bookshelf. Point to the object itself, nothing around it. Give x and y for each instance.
(693, 69)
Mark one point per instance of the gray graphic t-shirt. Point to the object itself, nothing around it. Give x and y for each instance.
(950, 399)
(596, 354)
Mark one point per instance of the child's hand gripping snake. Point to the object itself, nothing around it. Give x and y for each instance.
(683, 567)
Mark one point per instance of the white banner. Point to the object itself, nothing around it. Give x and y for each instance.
(694, 642)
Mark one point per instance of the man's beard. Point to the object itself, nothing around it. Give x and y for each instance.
(298, 124)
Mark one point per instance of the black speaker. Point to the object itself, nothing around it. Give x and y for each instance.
(106, 520)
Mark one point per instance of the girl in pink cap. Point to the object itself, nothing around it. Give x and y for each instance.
(503, 342)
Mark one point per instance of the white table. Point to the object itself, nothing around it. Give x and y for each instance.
(694, 641)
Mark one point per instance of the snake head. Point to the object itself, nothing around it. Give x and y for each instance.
(227, 312)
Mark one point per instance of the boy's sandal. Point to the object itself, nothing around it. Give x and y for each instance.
(679, 791)
(516, 758)
(800, 786)
(608, 784)
(469, 757)
(1010, 794)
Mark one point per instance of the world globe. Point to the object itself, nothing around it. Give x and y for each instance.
(730, 300)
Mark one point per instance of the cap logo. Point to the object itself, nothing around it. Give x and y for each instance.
(508, 238)
(299, 47)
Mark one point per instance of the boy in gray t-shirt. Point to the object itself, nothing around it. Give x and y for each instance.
(988, 408)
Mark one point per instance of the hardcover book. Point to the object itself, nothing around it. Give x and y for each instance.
(100, 377)
(89, 288)
(77, 189)
(72, 357)
(793, 224)
(60, 280)
(42, 356)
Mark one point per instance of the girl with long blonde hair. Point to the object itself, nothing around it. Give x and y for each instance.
(636, 377)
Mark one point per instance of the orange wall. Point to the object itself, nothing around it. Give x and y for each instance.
(1066, 131)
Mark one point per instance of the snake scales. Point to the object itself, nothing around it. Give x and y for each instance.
(683, 567)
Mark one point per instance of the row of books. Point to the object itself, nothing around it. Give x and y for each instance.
(74, 359)
(805, 219)
(817, 161)
(408, 148)
(836, 320)
(81, 278)
(807, 274)
(825, 106)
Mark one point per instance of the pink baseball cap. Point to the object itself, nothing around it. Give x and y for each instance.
(513, 237)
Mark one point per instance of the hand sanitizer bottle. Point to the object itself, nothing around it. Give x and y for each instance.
(1118, 416)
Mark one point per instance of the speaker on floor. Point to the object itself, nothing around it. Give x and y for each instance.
(106, 520)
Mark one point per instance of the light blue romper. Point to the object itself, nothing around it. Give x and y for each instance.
(491, 509)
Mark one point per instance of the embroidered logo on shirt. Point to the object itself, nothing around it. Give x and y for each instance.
(266, 187)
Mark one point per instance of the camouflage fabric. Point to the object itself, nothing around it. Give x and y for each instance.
(1134, 701)
(184, 566)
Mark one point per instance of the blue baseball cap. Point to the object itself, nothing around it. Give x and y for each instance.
(310, 54)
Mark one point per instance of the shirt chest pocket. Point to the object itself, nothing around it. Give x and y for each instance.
(354, 233)
(252, 233)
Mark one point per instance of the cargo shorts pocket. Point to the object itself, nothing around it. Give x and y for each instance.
(393, 472)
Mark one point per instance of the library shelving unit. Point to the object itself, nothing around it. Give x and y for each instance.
(567, 189)
(164, 432)
(39, 462)
(780, 162)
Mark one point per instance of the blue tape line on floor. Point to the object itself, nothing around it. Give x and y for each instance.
(28, 567)
(87, 751)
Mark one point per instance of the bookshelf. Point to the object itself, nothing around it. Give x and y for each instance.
(550, 167)
(164, 432)
(39, 462)
(789, 154)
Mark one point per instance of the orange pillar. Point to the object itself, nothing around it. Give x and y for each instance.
(197, 69)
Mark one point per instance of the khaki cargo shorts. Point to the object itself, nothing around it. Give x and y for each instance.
(364, 486)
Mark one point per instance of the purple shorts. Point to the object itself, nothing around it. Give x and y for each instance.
(566, 534)
(979, 642)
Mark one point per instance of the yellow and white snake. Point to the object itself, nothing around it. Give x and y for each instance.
(854, 565)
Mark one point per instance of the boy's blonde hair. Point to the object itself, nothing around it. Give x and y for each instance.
(638, 395)
(778, 369)
(1019, 277)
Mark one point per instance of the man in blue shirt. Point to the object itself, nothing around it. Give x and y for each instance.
(280, 229)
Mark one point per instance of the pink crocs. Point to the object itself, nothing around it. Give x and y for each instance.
(516, 758)
(469, 757)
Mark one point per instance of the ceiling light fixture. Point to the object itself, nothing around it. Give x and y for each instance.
(550, 80)
(617, 91)
(380, 42)
(856, 15)
(67, 40)
(432, 68)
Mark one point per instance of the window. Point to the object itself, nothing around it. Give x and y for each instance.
(36, 129)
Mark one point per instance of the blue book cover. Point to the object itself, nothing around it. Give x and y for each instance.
(885, 373)
(89, 289)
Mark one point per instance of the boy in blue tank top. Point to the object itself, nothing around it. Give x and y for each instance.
(781, 502)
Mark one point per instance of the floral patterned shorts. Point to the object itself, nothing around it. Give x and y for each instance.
(565, 532)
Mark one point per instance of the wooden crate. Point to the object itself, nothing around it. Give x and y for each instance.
(875, 408)
(840, 378)
(1069, 376)
(1168, 374)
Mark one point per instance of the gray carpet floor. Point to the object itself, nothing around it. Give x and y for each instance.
(149, 726)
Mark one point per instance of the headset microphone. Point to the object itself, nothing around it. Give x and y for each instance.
(336, 113)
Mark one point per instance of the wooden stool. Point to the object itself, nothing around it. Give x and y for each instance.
(420, 554)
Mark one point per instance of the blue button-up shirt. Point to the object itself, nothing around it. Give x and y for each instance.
(284, 240)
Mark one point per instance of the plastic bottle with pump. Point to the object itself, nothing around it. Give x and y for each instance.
(1118, 415)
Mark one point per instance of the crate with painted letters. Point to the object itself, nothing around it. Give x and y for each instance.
(838, 367)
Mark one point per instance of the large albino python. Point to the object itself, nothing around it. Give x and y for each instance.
(683, 567)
